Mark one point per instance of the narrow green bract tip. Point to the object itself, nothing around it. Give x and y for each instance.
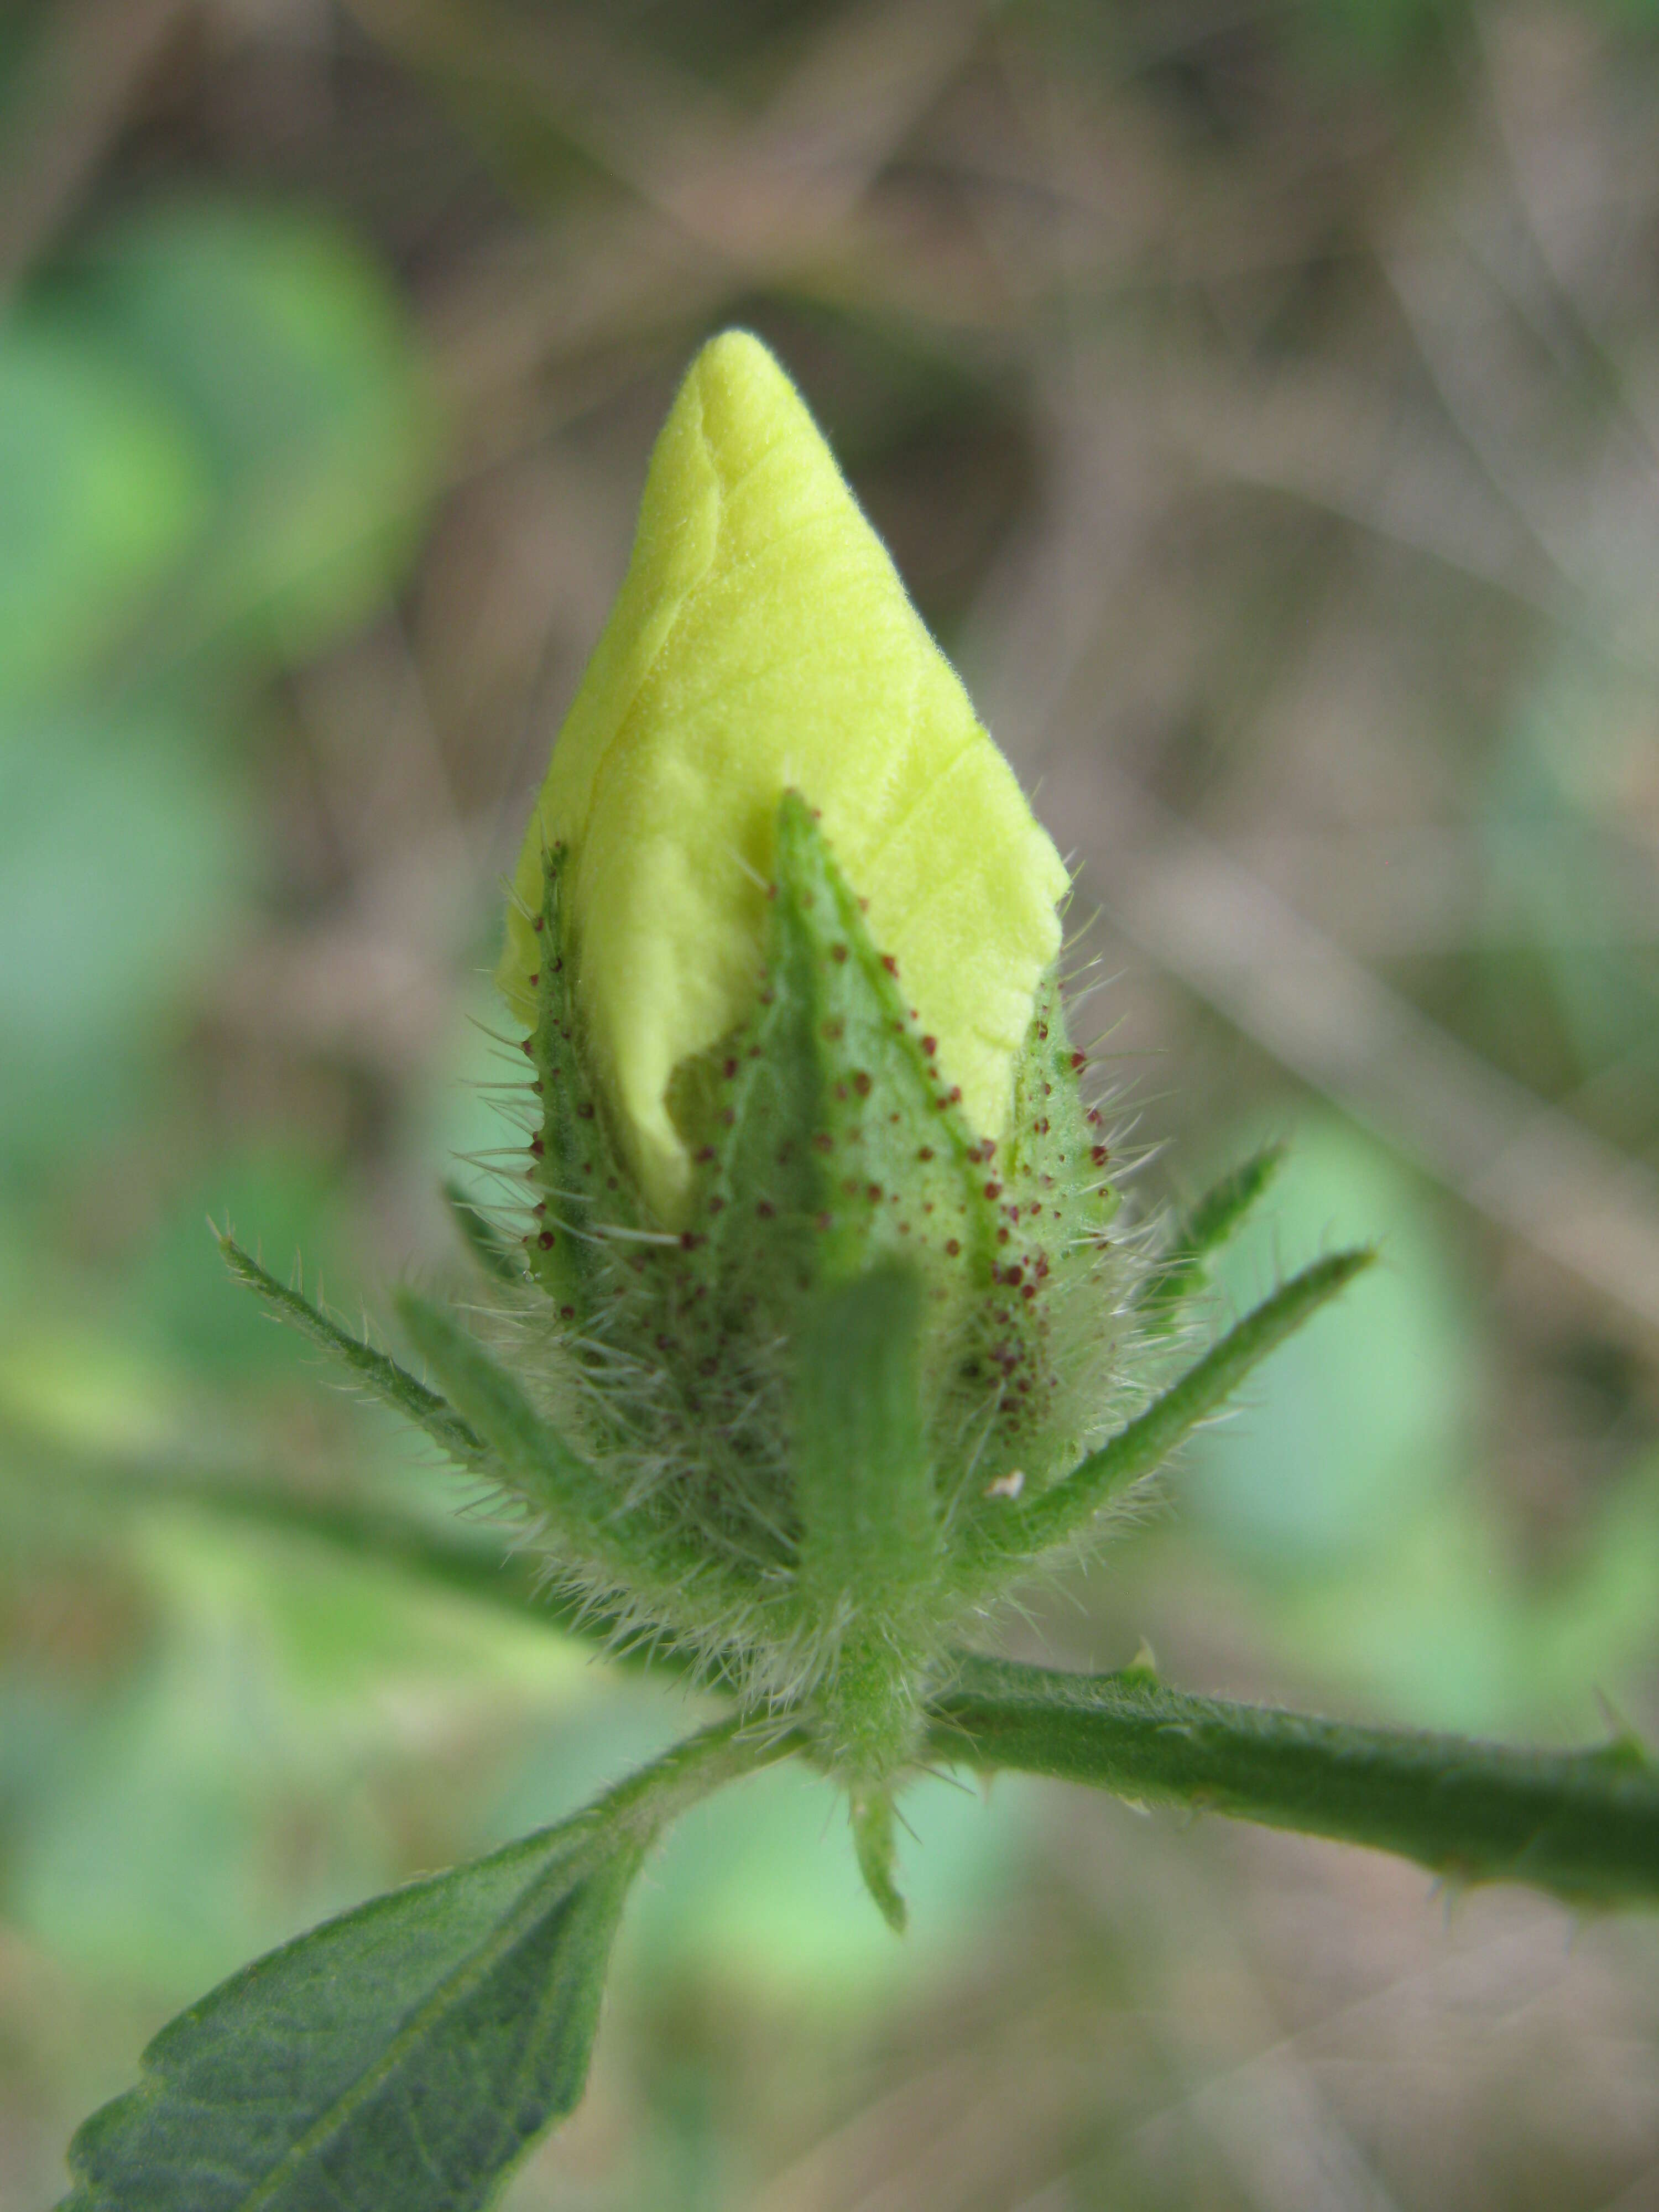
(762, 642)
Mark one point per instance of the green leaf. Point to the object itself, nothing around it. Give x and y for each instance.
(1583, 1824)
(407, 2053)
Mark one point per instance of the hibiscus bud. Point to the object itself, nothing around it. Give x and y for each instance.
(820, 1220)
(762, 642)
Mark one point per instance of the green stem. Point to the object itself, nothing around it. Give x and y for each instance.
(1584, 1824)
(639, 1808)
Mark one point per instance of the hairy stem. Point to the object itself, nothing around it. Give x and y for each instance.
(641, 1807)
(1584, 1824)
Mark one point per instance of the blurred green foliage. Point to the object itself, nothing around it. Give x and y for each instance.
(1347, 1488)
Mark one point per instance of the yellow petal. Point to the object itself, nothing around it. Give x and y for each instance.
(762, 640)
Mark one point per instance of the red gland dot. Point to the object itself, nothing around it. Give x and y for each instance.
(1099, 1155)
(925, 1153)
(953, 1247)
(930, 1046)
(861, 1083)
(889, 963)
(537, 1148)
(545, 1240)
(1079, 1061)
(535, 979)
(993, 1190)
(838, 953)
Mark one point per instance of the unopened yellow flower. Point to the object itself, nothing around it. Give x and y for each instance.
(762, 641)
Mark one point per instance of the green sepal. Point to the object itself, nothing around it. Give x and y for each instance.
(871, 1814)
(478, 1233)
(381, 1376)
(871, 1555)
(827, 1142)
(830, 1140)
(1180, 1271)
(828, 1148)
(870, 1533)
(1009, 1529)
(583, 1193)
(584, 1521)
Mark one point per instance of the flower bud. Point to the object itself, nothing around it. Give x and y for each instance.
(821, 1276)
(762, 641)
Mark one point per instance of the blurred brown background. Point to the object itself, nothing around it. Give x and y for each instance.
(1262, 404)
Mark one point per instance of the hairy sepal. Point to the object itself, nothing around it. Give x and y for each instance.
(872, 1555)
(830, 1150)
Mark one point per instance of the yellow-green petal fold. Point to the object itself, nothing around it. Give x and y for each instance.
(762, 640)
